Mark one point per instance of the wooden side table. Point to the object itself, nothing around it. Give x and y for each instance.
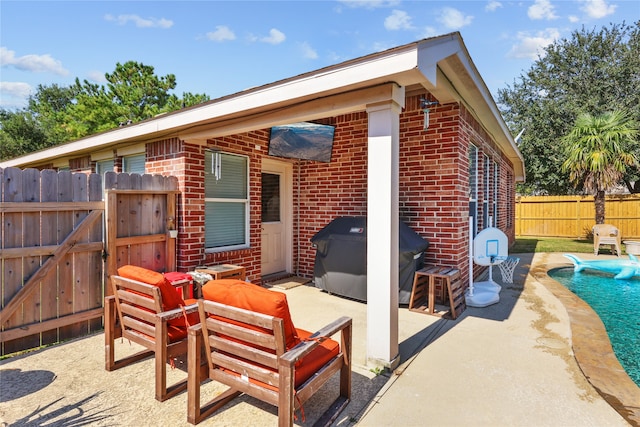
(424, 287)
(220, 271)
(224, 271)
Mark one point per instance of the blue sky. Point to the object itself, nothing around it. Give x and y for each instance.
(222, 47)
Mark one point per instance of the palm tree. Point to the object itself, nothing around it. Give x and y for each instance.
(599, 150)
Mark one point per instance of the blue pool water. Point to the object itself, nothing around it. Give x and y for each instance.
(617, 302)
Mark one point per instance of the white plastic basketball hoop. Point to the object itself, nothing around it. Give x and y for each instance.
(507, 267)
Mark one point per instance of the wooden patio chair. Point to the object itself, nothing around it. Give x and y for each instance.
(252, 347)
(150, 313)
(606, 234)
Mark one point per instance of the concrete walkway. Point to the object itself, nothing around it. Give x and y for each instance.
(509, 364)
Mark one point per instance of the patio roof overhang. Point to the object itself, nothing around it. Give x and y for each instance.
(440, 65)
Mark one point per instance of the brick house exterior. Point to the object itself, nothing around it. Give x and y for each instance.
(433, 164)
(434, 186)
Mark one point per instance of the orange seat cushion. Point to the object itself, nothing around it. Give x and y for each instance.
(241, 294)
(305, 367)
(170, 298)
(315, 360)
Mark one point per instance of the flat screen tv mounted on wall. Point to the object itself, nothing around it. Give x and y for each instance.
(304, 140)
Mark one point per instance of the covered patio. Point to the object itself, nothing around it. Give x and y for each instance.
(512, 363)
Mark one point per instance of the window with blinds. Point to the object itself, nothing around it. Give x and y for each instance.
(103, 166)
(133, 164)
(226, 201)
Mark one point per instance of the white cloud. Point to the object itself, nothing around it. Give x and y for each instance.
(492, 6)
(221, 33)
(398, 20)
(33, 63)
(542, 9)
(429, 32)
(15, 89)
(275, 37)
(140, 22)
(380, 46)
(454, 19)
(14, 94)
(573, 19)
(369, 4)
(530, 46)
(96, 76)
(307, 51)
(598, 8)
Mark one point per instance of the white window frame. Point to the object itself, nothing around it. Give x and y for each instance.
(486, 192)
(473, 186)
(217, 169)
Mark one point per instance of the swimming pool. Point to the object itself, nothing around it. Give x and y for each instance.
(617, 302)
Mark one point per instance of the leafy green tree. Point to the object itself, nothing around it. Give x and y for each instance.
(49, 106)
(136, 91)
(593, 71)
(57, 114)
(188, 99)
(598, 153)
(19, 133)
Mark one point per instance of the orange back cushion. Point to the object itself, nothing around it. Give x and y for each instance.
(170, 298)
(248, 296)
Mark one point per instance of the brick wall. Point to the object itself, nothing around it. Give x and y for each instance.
(338, 188)
(434, 185)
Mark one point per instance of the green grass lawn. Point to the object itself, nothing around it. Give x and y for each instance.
(550, 244)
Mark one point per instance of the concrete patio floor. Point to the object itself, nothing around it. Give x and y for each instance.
(509, 364)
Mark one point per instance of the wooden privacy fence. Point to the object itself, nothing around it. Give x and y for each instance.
(52, 248)
(51, 256)
(573, 216)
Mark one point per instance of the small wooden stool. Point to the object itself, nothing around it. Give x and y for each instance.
(423, 298)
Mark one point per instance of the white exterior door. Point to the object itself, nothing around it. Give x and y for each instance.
(276, 236)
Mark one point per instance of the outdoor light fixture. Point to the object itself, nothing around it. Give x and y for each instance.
(425, 111)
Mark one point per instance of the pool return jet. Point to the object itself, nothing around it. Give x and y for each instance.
(489, 248)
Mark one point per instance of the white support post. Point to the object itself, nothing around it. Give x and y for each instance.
(382, 232)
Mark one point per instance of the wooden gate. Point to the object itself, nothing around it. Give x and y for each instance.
(141, 209)
(52, 247)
